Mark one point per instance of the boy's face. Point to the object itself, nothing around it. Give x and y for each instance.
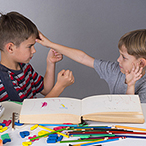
(126, 61)
(25, 51)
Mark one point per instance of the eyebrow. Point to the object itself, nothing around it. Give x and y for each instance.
(31, 44)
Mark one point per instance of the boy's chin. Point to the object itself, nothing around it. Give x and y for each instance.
(122, 71)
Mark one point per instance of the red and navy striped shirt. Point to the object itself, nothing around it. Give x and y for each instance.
(18, 85)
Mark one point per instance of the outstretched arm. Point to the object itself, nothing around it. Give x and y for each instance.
(74, 54)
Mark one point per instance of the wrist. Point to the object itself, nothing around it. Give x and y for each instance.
(130, 89)
(59, 87)
(50, 44)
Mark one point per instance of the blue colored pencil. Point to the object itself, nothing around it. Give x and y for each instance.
(109, 140)
(65, 125)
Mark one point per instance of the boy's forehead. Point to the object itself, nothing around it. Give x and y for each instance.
(30, 40)
(123, 49)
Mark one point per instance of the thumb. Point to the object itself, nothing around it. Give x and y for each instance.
(62, 72)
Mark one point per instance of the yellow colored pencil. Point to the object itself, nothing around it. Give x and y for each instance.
(54, 130)
(131, 128)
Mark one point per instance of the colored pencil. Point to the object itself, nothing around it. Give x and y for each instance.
(68, 141)
(88, 132)
(87, 127)
(131, 128)
(54, 130)
(128, 136)
(96, 135)
(48, 134)
(65, 125)
(92, 143)
(86, 143)
(126, 132)
(78, 145)
(118, 136)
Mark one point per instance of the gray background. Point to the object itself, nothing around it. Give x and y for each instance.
(94, 26)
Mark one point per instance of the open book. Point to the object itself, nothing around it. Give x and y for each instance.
(104, 108)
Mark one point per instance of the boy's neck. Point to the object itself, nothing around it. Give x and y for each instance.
(9, 63)
(12, 67)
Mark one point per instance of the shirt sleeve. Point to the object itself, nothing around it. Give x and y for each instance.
(105, 69)
(38, 81)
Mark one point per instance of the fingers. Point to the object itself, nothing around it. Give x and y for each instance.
(137, 70)
(66, 77)
(54, 56)
(134, 75)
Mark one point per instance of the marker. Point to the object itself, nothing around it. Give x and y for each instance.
(132, 128)
(53, 131)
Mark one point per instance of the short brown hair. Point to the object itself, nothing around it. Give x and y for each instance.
(16, 28)
(135, 43)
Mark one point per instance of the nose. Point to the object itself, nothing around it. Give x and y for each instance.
(33, 50)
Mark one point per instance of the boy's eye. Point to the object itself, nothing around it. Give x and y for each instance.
(30, 46)
(123, 57)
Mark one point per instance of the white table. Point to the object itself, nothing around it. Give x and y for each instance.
(16, 140)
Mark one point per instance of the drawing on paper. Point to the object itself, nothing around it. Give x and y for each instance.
(114, 103)
(44, 104)
(63, 106)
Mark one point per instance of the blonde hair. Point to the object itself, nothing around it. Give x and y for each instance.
(135, 43)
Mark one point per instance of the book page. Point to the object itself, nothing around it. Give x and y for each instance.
(51, 106)
(111, 103)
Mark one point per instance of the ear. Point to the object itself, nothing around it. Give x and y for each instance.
(10, 47)
(142, 62)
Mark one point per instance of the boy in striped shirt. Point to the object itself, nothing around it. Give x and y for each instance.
(18, 79)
